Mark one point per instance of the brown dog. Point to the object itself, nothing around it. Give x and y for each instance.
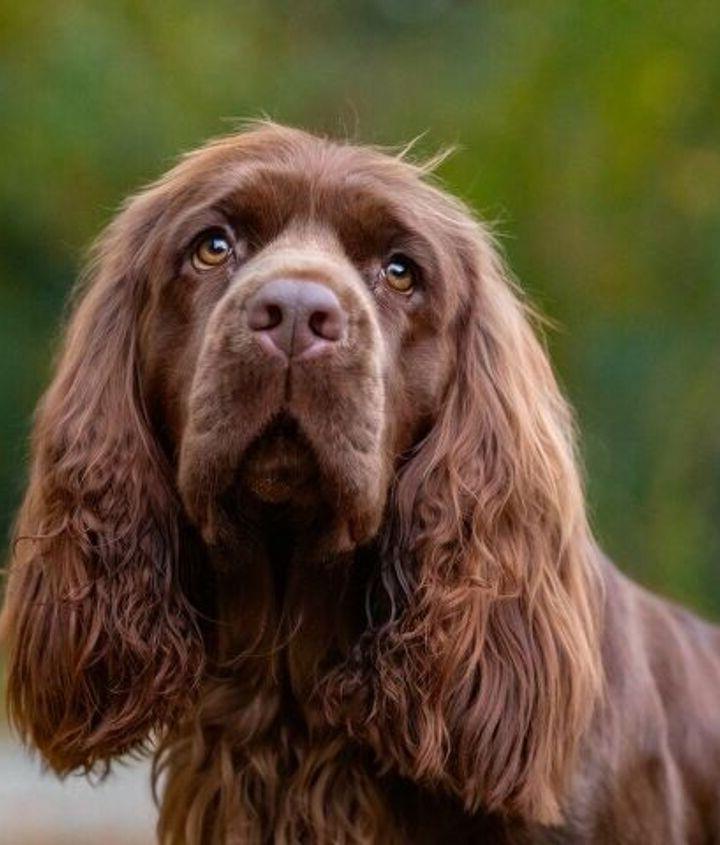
(304, 508)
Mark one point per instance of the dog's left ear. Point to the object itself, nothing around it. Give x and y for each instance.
(104, 645)
(482, 678)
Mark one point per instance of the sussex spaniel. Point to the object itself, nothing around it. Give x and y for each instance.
(304, 516)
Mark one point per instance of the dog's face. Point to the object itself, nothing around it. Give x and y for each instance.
(295, 339)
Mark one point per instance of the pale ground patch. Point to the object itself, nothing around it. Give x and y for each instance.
(37, 809)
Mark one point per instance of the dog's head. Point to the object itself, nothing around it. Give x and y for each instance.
(298, 316)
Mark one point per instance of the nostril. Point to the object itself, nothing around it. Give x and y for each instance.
(326, 323)
(274, 316)
(265, 316)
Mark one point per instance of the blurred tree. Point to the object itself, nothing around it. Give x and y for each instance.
(588, 130)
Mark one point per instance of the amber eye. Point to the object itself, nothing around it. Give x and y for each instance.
(211, 251)
(399, 274)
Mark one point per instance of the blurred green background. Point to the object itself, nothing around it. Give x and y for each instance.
(589, 131)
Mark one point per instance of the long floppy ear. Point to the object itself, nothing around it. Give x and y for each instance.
(104, 647)
(482, 676)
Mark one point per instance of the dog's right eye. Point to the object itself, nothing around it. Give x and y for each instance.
(212, 250)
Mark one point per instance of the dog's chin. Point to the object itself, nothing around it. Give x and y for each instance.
(280, 468)
(333, 496)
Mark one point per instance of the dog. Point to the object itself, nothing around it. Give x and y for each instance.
(304, 519)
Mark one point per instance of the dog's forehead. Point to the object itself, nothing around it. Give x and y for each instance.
(357, 204)
(299, 173)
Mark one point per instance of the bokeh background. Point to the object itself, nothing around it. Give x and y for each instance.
(588, 132)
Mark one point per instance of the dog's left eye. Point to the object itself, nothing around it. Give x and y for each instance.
(399, 273)
(212, 250)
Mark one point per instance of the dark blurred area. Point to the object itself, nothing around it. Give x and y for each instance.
(589, 133)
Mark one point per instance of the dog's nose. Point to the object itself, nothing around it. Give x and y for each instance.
(298, 318)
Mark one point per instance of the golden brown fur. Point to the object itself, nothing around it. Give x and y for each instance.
(407, 634)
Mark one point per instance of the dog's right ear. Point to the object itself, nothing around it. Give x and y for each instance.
(104, 646)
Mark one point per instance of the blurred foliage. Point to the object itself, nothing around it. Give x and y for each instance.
(589, 132)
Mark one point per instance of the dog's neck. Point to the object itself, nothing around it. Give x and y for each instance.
(285, 615)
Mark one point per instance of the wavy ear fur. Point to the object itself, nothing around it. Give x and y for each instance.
(482, 676)
(104, 646)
